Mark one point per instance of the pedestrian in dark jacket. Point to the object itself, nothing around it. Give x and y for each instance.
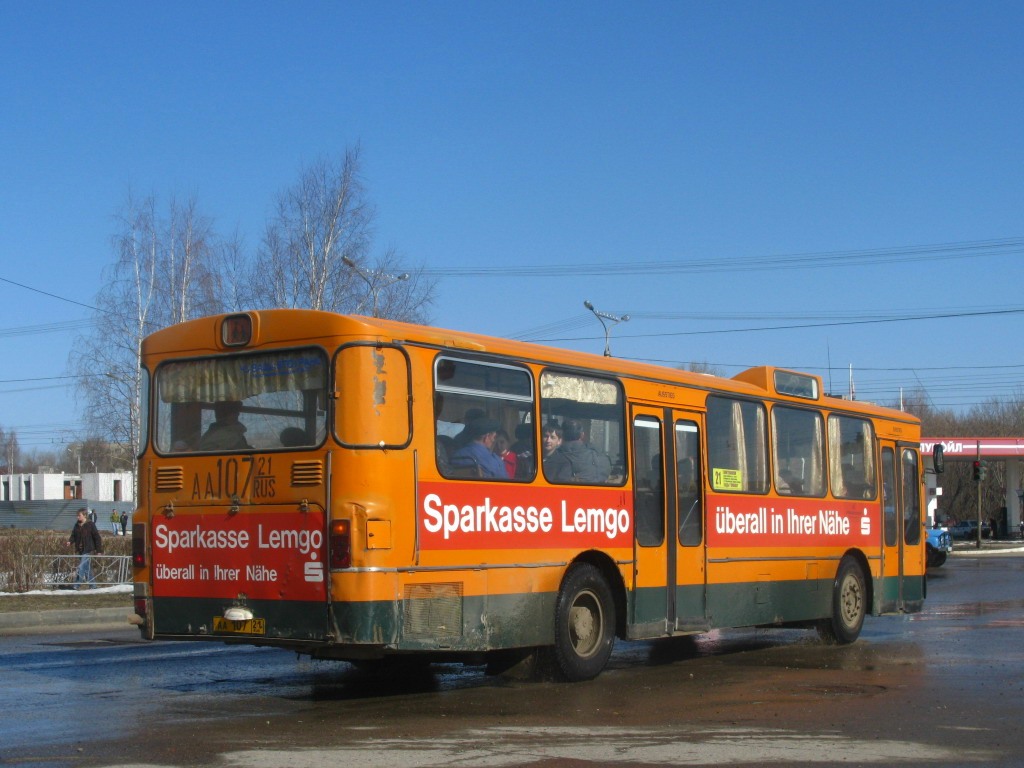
(85, 538)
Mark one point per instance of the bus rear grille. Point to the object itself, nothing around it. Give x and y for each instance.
(307, 473)
(433, 611)
(170, 478)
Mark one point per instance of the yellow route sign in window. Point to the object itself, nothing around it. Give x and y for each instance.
(727, 479)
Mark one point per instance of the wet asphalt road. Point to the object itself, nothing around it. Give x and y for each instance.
(945, 687)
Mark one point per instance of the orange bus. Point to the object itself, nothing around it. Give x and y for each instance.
(360, 489)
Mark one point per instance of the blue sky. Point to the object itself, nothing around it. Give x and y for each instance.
(602, 136)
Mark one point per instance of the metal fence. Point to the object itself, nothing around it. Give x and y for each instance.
(59, 571)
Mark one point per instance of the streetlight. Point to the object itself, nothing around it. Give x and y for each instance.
(375, 279)
(606, 318)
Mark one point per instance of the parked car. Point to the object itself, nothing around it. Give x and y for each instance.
(968, 529)
(938, 545)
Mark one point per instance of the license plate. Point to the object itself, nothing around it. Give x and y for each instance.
(244, 627)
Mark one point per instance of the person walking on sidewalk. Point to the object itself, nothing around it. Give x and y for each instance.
(85, 538)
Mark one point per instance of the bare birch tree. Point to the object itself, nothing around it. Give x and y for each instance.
(320, 222)
(173, 267)
(10, 452)
(186, 265)
(233, 266)
(106, 360)
(161, 275)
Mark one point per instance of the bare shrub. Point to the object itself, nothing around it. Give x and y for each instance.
(27, 557)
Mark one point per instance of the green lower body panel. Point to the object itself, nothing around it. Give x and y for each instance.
(441, 619)
(437, 623)
(745, 604)
(769, 602)
(449, 622)
(648, 611)
(897, 594)
(275, 620)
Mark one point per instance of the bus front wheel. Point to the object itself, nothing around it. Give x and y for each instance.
(849, 605)
(584, 624)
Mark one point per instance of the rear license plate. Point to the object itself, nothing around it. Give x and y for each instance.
(244, 627)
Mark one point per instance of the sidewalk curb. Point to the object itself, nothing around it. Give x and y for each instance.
(56, 620)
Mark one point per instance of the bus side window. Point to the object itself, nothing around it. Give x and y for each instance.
(851, 457)
(649, 507)
(688, 484)
(912, 497)
(798, 448)
(590, 412)
(478, 404)
(737, 445)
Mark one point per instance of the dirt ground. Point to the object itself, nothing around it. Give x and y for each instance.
(64, 601)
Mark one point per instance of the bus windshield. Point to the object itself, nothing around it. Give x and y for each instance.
(240, 403)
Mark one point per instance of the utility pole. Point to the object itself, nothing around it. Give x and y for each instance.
(978, 486)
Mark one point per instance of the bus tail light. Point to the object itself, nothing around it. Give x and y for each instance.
(138, 545)
(341, 544)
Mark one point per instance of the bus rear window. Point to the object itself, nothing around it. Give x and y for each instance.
(241, 403)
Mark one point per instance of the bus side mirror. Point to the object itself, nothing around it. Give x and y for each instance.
(938, 459)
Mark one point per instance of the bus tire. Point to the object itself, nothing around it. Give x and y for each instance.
(934, 558)
(584, 624)
(849, 605)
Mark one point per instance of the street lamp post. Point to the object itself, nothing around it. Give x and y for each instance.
(605, 319)
(376, 280)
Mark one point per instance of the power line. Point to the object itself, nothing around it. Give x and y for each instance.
(827, 319)
(817, 260)
(33, 330)
(47, 293)
(799, 326)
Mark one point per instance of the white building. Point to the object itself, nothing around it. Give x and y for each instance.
(54, 486)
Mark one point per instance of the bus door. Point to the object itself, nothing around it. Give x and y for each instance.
(691, 570)
(902, 572)
(668, 575)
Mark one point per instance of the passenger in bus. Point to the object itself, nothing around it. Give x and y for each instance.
(576, 461)
(788, 482)
(227, 433)
(503, 450)
(550, 442)
(444, 447)
(654, 479)
(292, 437)
(479, 451)
(854, 485)
(526, 456)
(463, 437)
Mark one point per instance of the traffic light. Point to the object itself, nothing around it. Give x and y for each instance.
(977, 471)
(984, 469)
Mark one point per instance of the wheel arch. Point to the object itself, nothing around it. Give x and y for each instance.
(613, 577)
(865, 569)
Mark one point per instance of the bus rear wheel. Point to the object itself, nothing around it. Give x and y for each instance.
(584, 624)
(849, 605)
